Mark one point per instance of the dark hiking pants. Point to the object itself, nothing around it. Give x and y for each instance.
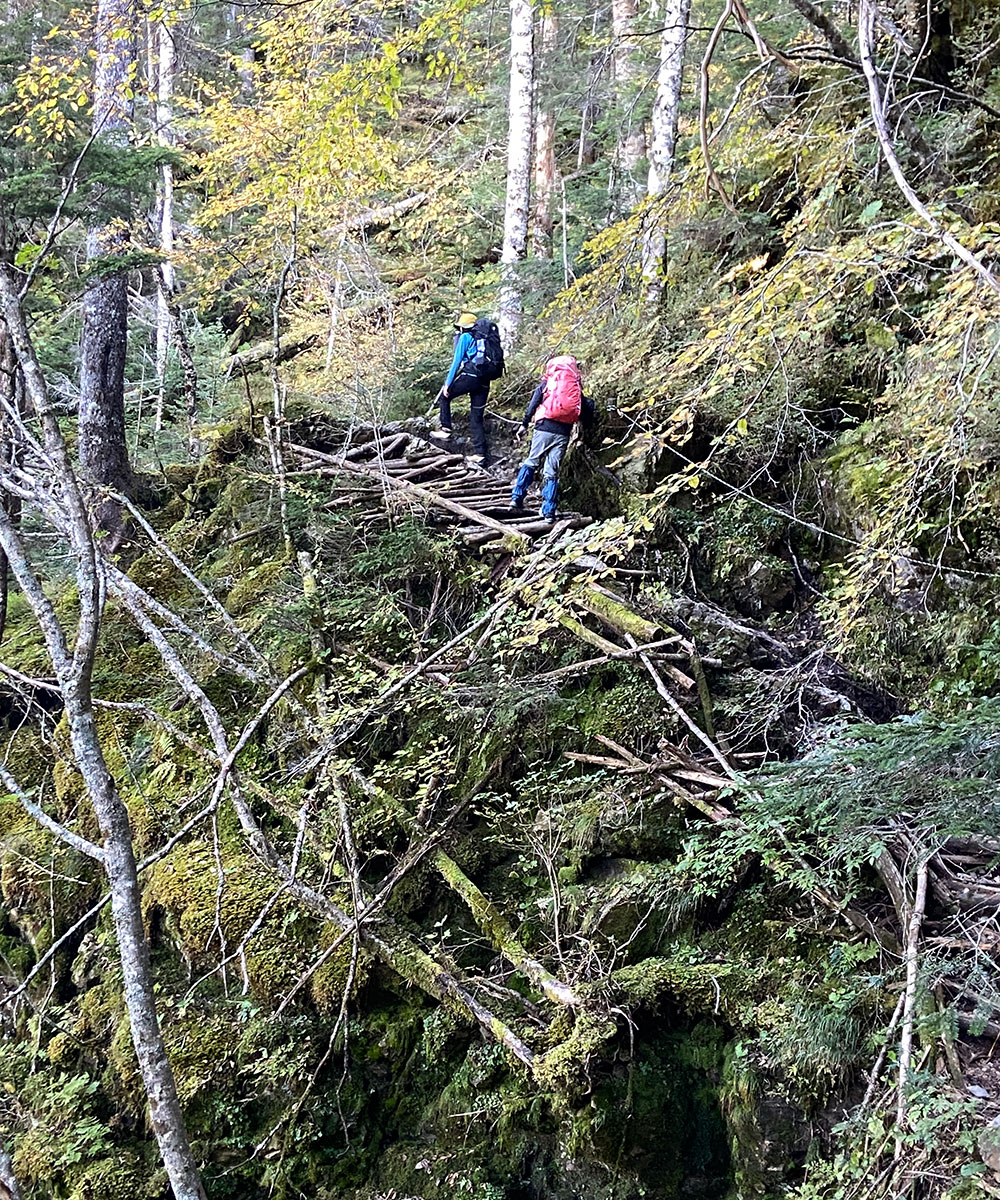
(478, 392)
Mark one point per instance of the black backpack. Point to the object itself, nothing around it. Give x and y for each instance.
(488, 357)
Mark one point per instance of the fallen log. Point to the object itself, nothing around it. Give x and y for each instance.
(614, 613)
(263, 354)
(488, 917)
(385, 214)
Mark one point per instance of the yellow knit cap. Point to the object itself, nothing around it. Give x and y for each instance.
(466, 321)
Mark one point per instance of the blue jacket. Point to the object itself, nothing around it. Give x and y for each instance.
(465, 349)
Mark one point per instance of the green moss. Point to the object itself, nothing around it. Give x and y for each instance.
(255, 585)
(330, 980)
(121, 1177)
(699, 986)
(203, 1046)
(564, 1068)
(184, 889)
(45, 884)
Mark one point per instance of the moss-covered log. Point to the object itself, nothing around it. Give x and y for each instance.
(491, 920)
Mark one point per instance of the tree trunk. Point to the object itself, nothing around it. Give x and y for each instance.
(102, 446)
(515, 222)
(8, 1180)
(586, 154)
(165, 1114)
(245, 69)
(165, 209)
(631, 136)
(12, 391)
(545, 147)
(663, 142)
(72, 669)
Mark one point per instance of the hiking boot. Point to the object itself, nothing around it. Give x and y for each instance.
(441, 435)
(478, 461)
(517, 506)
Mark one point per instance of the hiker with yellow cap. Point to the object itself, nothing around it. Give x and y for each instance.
(477, 361)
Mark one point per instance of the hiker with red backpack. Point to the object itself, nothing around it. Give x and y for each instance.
(555, 407)
(477, 361)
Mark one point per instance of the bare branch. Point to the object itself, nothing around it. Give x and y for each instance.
(867, 11)
(911, 960)
(47, 822)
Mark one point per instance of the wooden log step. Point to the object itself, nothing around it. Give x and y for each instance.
(357, 453)
(473, 498)
(401, 467)
(476, 483)
(379, 448)
(472, 487)
(533, 528)
(422, 459)
(425, 473)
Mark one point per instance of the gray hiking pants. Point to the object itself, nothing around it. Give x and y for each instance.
(547, 450)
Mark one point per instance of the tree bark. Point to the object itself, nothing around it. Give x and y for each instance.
(663, 142)
(545, 147)
(515, 223)
(165, 1115)
(102, 445)
(165, 208)
(72, 670)
(246, 68)
(631, 136)
(12, 390)
(8, 1180)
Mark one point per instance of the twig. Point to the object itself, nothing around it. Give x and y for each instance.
(711, 178)
(880, 1060)
(909, 1001)
(867, 11)
(665, 695)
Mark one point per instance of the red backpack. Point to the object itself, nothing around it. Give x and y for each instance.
(563, 391)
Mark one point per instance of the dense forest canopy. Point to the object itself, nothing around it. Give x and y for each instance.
(392, 812)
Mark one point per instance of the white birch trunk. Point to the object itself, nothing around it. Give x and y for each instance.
(165, 208)
(663, 140)
(627, 71)
(545, 147)
(515, 221)
(245, 70)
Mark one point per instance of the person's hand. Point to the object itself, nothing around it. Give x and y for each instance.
(444, 392)
(524, 428)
